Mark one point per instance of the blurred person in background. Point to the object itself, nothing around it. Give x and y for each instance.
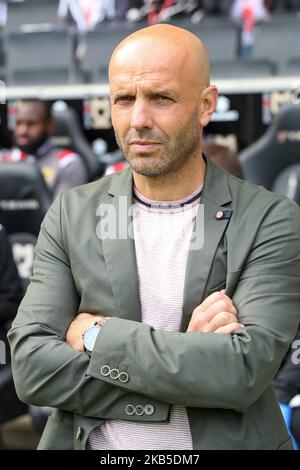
(224, 157)
(62, 168)
(3, 13)
(210, 7)
(85, 15)
(159, 10)
(248, 13)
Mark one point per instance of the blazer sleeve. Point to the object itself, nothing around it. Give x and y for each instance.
(46, 370)
(218, 370)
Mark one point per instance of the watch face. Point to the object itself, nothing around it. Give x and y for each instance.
(90, 337)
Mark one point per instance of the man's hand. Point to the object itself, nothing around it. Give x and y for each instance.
(79, 325)
(216, 314)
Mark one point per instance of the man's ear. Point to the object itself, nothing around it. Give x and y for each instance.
(209, 98)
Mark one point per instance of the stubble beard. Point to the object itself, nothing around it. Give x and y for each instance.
(175, 155)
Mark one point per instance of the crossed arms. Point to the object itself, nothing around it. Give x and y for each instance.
(196, 369)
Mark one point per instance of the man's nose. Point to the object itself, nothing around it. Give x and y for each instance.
(21, 129)
(141, 115)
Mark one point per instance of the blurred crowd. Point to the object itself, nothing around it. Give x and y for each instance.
(86, 14)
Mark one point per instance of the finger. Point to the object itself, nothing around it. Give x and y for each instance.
(222, 305)
(220, 320)
(83, 315)
(230, 328)
(214, 309)
(201, 318)
(212, 298)
(209, 321)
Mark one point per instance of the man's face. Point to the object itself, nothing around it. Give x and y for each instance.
(154, 110)
(32, 127)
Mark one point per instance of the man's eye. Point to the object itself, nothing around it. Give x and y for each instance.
(162, 98)
(124, 99)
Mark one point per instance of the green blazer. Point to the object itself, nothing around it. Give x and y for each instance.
(224, 381)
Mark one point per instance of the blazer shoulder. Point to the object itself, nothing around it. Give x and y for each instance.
(98, 190)
(90, 190)
(245, 194)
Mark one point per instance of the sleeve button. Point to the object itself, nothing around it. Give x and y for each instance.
(149, 410)
(105, 370)
(129, 410)
(123, 377)
(114, 373)
(139, 410)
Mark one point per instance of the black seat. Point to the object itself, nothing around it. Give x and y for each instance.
(222, 40)
(11, 406)
(277, 41)
(40, 57)
(24, 200)
(68, 132)
(24, 197)
(292, 67)
(11, 294)
(243, 68)
(100, 44)
(31, 12)
(274, 160)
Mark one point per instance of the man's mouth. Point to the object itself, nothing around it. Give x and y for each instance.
(23, 141)
(144, 145)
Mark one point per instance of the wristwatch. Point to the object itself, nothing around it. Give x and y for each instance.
(89, 338)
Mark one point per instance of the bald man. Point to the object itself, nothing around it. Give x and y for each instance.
(163, 297)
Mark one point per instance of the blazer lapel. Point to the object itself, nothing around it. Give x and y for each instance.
(210, 219)
(119, 250)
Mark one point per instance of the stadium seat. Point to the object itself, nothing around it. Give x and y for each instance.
(24, 200)
(31, 12)
(11, 406)
(40, 57)
(277, 41)
(24, 197)
(292, 67)
(273, 161)
(242, 68)
(100, 45)
(68, 132)
(221, 39)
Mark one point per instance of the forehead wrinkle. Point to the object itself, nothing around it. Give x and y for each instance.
(162, 78)
(148, 81)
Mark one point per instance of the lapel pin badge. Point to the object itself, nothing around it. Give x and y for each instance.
(224, 214)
